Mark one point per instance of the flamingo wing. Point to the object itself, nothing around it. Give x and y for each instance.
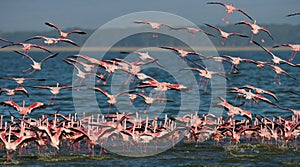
(22, 89)
(76, 31)
(215, 27)
(26, 55)
(267, 31)
(54, 26)
(49, 57)
(102, 91)
(41, 47)
(68, 41)
(11, 104)
(218, 3)
(36, 105)
(246, 14)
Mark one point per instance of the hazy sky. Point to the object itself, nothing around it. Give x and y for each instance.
(31, 14)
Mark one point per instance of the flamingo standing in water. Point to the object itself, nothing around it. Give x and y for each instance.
(62, 34)
(294, 47)
(255, 29)
(154, 25)
(22, 109)
(230, 9)
(53, 89)
(225, 35)
(36, 65)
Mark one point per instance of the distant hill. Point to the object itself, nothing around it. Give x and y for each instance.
(282, 33)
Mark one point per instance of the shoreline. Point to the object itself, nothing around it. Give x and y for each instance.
(118, 49)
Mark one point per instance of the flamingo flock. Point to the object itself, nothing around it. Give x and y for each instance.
(134, 129)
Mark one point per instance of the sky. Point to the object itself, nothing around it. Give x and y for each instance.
(16, 15)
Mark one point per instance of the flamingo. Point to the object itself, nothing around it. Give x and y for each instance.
(22, 109)
(224, 35)
(278, 71)
(144, 56)
(248, 95)
(154, 25)
(149, 100)
(261, 91)
(294, 47)
(87, 67)
(27, 46)
(182, 53)
(21, 80)
(62, 34)
(276, 60)
(50, 41)
(13, 145)
(206, 75)
(235, 61)
(112, 98)
(255, 29)
(53, 89)
(36, 65)
(230, 9)
(12, 92)
(193, 30)
(233, 110)
(80, 74)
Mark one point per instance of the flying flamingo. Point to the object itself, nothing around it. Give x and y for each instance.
(154, 25)
(255, 29)
(36, 65)
(112, 98)
(260, 91)
(12, 92)
(64, 34)
(182, 53)
(21, 80)
(294, 47)
(50, 41)
(224, 35)
(87, 67)
(206, 75)
(230, 9)
(22, 109)
(235, 61)
(144, 56)
(278, 71)
(193, 30)
(53, 89)
(27, 46)
(149, 100)
(276, 60)
(80, 74)
(233, 110)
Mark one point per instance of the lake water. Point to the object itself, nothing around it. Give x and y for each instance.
(180, 103)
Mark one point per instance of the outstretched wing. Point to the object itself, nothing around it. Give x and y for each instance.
(26, 55)
(54, 26)
(36, 105)
(246, 14)
(11, 104)
(49, 57)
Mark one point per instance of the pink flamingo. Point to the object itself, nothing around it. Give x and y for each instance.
(230, 9)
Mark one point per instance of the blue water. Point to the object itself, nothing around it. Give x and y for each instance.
(55, 70)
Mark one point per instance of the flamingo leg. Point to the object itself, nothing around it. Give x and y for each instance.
(26, 69)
